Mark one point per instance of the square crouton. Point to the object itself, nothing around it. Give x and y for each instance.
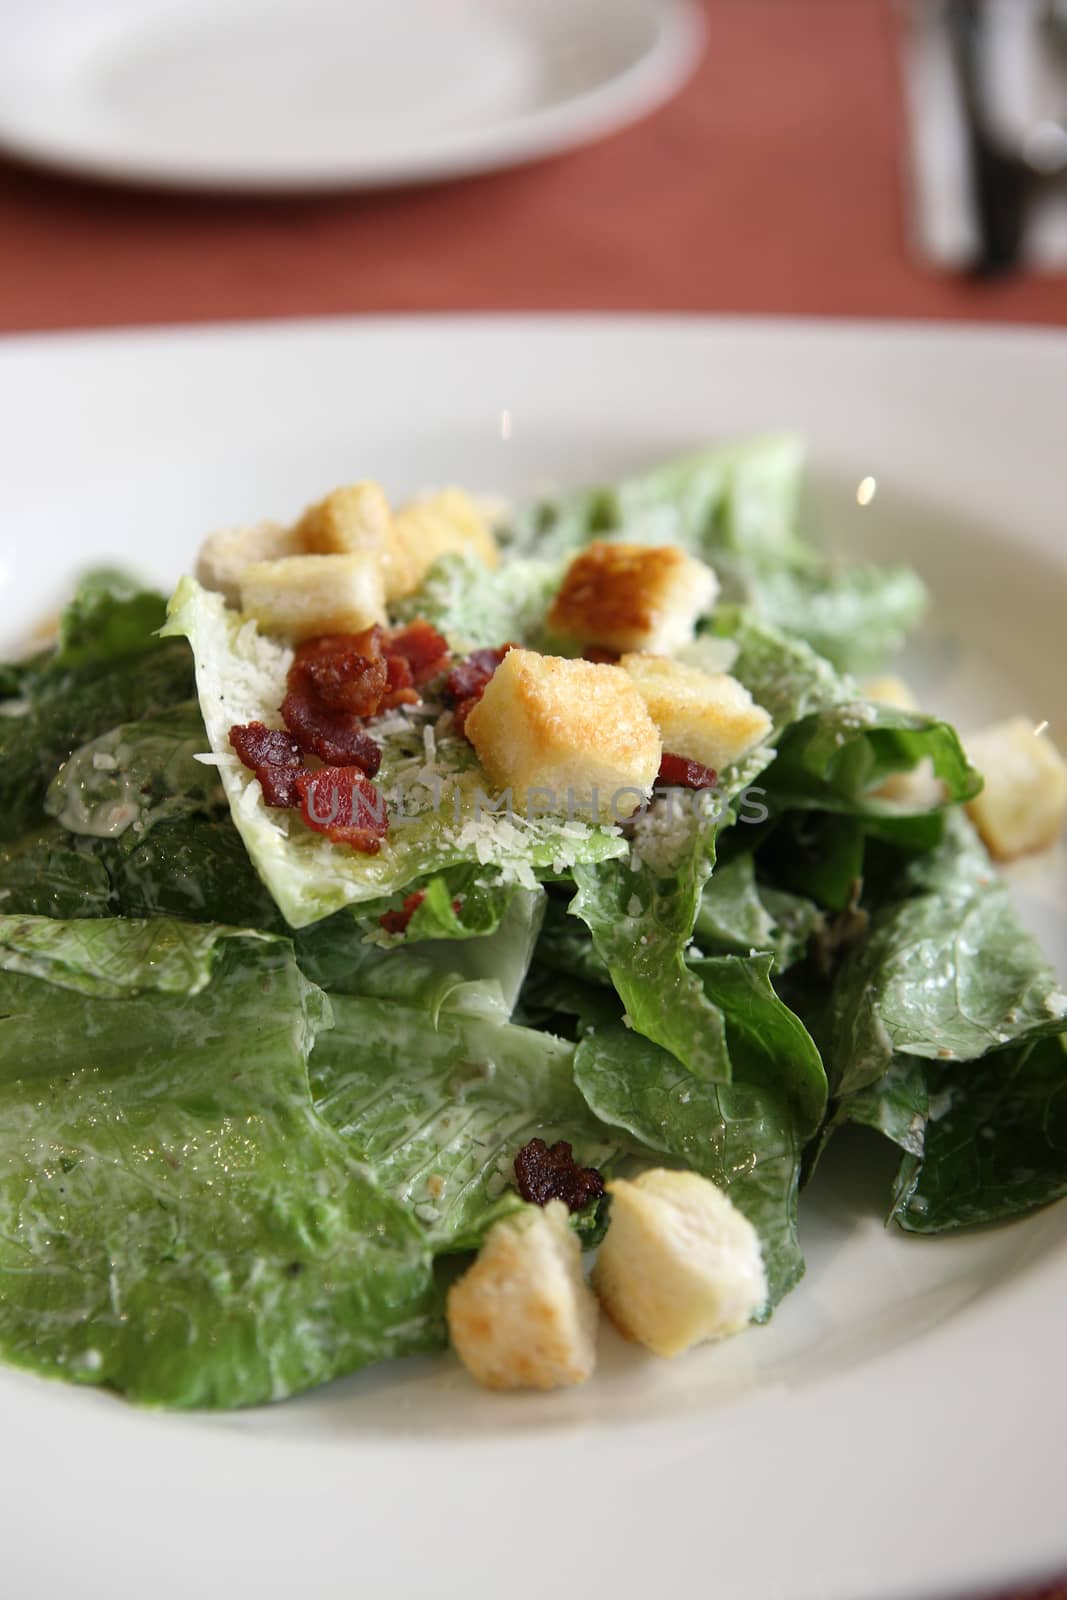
(679, 1263)
(633, 597)
(569, 737)
(447, 522)
(1024, 803)
(523, 1317)
(703, 716)
(357, 518)
(304, 596)
(223, 556)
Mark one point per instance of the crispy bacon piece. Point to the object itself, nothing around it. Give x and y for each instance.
(397, 921)
(342, 804)
(348, 672)
(336, 737)
(274, 756)
(400, 688)
(466, 683)
(545, 1173)
(422, 647)
(676, 772)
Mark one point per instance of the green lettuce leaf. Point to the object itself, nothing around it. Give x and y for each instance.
(995, 1142)
(738, 916)
(122, 783)
(857, 618)
(65, 709)
(112, 957)
(439, 1112)
(110, 616)
(946, 971)
(176, 1222)
(482, 974)
(740, 1137)
(834, 759)
(641, 914)
(476, 608)
(446, 819)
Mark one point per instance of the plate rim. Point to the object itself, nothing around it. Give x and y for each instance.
(593, 114)
(990, 1323)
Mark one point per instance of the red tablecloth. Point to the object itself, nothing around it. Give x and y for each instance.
(773, 183)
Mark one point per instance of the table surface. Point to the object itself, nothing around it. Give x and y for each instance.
(773, 183)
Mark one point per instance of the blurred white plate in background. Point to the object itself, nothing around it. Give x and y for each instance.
(299, 95)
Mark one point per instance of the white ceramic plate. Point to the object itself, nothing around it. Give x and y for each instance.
(898, 1429)
(326, 94)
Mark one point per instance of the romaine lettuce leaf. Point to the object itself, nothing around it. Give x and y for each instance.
(113, 957)
(64, 710)
(946, 971)
(995, 1142)
(110, 616)
(483, 974)
(122, 783)
(439, 1111)
(857, 618)
(641, 914)
(106, 667)
(738, 916)
(475, 607)
(740, 1137)
(176, 1222)
(446, 821)
(834, 759)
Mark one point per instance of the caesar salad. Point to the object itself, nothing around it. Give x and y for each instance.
(440, 924)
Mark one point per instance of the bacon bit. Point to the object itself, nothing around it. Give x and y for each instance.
(466, 683)
(274, 756)
(676, 772)
(545, 1173)
(397, 921)
(422, 647)
(335, 737)
(342, 804)
(400, 690)
(600, 656)
(347, 672)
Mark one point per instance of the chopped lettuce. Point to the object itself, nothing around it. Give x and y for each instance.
(176, 1221)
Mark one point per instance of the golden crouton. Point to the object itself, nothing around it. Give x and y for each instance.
(357, 518)
(224, 555)
(706, 717)
(679, 1263)
(633, 597)
(303, 596)
(1024, 803)
(523, 1317)
(447, 522)
(889, 690)
(568, 737)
